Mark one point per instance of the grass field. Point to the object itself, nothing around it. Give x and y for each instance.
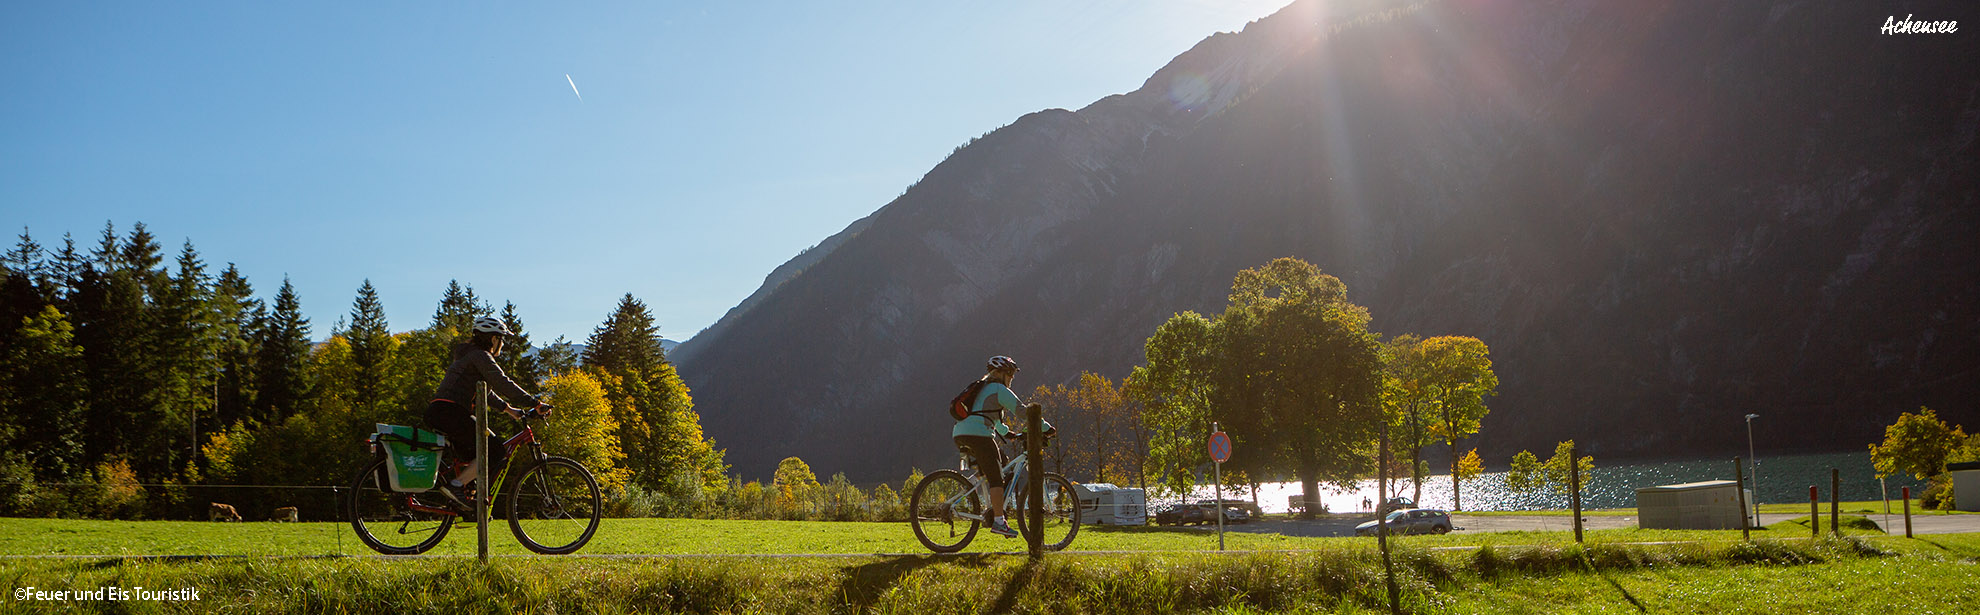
(1800, 576)
(717, 537)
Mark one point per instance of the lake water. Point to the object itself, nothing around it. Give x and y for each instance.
(1783, 479)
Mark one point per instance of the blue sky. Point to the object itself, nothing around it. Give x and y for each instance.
(414, 143)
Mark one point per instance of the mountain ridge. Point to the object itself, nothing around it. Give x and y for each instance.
(1656, 214)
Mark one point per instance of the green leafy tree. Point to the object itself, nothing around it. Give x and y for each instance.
(1525, 474)
(794, 482)
(583, 427)
(42, 371)
(1300, 375)
(1917, 444)
(1459, 379)
(1556, 469)
(1409, 399)
(1175, 387)
(1468, 467)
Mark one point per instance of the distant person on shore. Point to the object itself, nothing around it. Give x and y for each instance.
(976, 434)
(1367, 504)
(448, 413)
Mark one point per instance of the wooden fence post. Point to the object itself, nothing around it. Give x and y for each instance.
(1034, 483)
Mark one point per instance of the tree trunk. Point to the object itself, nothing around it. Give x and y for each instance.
(1309, 485)
(1416, 453)
(1456, 503)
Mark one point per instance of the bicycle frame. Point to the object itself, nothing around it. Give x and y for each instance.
(978, 487)
(526, 436)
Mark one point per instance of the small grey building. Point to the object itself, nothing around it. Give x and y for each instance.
(1966, 485)
(1708, 505)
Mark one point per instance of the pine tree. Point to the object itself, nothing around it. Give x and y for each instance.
(235, 312)
(458, 308)
(67, 268)
(25, 286)
(371, 344)
(518, 358)
(658, 428)
(283, 337)
(628, 341)
(186, 341)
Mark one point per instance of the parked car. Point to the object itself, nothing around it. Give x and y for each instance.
(1411, 521)
(1233, 514)
(1180, 514)
(1394, 504)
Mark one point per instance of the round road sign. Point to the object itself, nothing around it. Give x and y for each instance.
(1220, 447)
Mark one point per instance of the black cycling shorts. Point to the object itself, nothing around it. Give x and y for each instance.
(983, 450)
(457, 423)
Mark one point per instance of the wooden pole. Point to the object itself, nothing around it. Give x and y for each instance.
(1907, 512)
(1739, 474)
(1574, 490)
(1814, 513)
(1835, 501)
(1034, 484)
(481, 478)
(1381, 526)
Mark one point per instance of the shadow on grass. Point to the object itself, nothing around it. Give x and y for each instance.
(1007, 599)
(865, 583)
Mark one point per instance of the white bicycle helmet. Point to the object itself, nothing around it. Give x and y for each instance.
(490, 324)
(1001, 362)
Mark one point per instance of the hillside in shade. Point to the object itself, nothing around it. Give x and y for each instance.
(1660, 215)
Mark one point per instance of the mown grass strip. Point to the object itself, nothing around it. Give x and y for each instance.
(1345, 577)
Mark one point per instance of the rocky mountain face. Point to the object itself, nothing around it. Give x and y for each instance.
(1660, 216)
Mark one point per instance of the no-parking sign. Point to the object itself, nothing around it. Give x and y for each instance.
(1220, 447)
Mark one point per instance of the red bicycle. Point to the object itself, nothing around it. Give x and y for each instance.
(552, 504)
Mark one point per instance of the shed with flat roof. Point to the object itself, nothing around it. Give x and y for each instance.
(1966, 485)
(1707, 505)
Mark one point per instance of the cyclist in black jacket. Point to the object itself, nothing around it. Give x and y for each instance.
(449, 413)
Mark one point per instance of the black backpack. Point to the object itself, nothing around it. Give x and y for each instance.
(959, 407)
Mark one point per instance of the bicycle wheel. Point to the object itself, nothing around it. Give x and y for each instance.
(1061, 512)
(933, 511)
(553, 506)
(386, 521)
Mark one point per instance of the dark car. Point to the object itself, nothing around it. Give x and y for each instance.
(1411, 521)
(1180, 514)
(1394, 504)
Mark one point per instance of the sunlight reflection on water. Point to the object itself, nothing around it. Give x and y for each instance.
(1782, 479)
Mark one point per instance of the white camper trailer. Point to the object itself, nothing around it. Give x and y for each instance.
(1106, 504)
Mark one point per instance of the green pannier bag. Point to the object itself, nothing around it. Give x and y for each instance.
(412, 456)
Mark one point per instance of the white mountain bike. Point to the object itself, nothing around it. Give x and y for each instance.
(947, 506)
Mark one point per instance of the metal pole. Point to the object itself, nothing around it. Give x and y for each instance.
(1214, 428)
(1756, 465)
(1574, 489)
(1034, 487)
(481, 478)
(1739, 473)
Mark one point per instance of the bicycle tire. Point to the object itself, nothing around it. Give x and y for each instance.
(1061, 512)
(368, 504)
(556, 496)
(929, 507)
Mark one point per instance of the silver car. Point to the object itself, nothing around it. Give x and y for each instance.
(1411, 521)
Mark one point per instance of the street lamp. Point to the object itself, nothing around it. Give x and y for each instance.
(1756, 466)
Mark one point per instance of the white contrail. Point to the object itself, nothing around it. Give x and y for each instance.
(567, 77)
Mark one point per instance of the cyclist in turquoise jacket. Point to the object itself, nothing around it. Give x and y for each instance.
(976, 435)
